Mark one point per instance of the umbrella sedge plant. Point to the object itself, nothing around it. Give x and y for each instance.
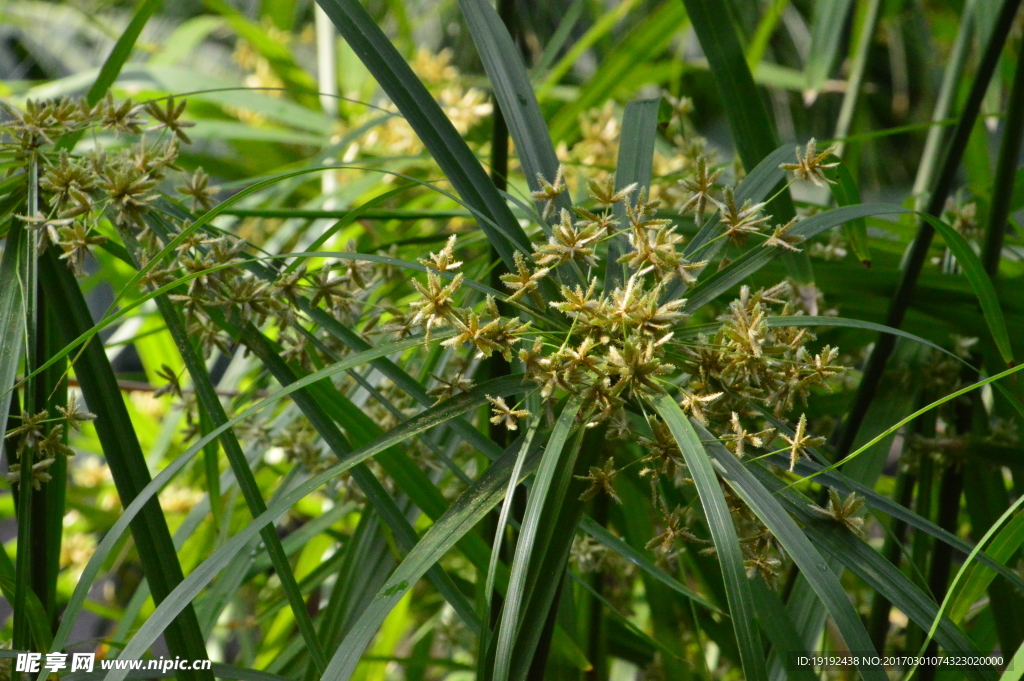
(609, 411)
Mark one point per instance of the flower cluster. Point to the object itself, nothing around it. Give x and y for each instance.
(44, 435)
(601, 314)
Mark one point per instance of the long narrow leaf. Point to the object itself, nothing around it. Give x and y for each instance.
(124, 456)
(425, 116)
(980, 282)
(813, 567)
(463, 515)
(514, 92)
(511, 615)
(723, 532)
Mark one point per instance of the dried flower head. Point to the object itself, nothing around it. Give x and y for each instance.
(811, 163)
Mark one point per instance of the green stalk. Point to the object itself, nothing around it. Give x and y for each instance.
(856, 78)
(30, 282)
(496, 364)
(953, 478)
(1006, 171)
(878, 620)
(944, 102)
(121, 448)
(214, 412)
(920, 544)
(950, 488)
(753, 129)
(918, 252)
(49, 501)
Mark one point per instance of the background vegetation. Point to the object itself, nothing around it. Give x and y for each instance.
(402, 340)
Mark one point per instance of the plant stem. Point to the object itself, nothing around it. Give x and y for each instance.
(878, 620)
(23, 569)
(949, 510)
(496, 364)
(1006, 171)
(48, 502)
(944, 102)
(856, 78)
(918, 252)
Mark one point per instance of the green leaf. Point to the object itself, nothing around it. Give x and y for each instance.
(765, 29)
(213, 412)
(980, 282)
(514, 92)
(463, 515)
(1003, 546)
(778, 627)
(634, 165)
(144, 496)
(1015, 668)
(845, 192)
(375, 493)
(122, 50)
(186, 37)
(601, 27)
(512, 613)
(864, 561)
(591, 527)
(498, 544)
(204, 573)
(879, 502)
(115, 61)
(753, 132)
(756, 187)
(635, 53)
(37, 618)
(812, 566)
(12, 317)
(723, 532)
(827, 23)
(757, 257)
(431, 125)
(127, 464)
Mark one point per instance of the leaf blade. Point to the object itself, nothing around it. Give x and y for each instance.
(723, 532)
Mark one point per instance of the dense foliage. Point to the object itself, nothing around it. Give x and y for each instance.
(421, 341)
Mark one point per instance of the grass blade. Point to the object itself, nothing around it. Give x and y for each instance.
(514, 93)
(752, 129)
(508, 629)
(213, 410)
(636, 51)
(812, 566)
(122, 50)
(723, 532)
(12, 321)
(980, 282)
(144, 496)
(431, 125)
(496, 547)
(827, 22)
(882, 503)
(1003, 546)
(465, 512)
(591, 527)
(124, 456)
(778, 627)
(845, 192)
(914, 260)
(755, 258)
(634, 165)
(869, 565)
(204, 573)
(37, 618)
(382, 502)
